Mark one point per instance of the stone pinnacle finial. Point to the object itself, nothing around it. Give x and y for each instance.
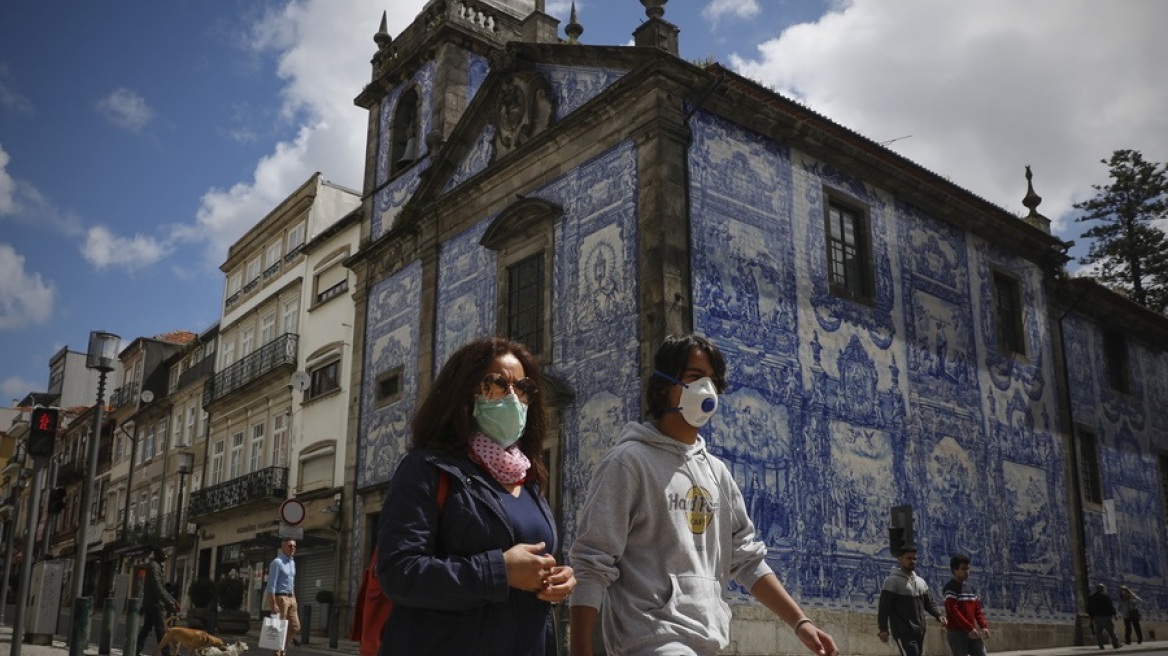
(1032, 201)
(573, 29)
(654, 8)
(382, 37)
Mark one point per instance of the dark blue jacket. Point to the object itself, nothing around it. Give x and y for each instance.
(444, 570)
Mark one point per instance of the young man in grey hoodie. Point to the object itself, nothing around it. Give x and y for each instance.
(664, 528)
(904, 600)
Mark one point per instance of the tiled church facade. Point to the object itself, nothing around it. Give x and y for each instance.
(666, 197)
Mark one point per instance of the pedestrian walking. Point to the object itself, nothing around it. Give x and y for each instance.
(904, 601)
(665, 523)
(966, 626)
(1129, 610)
(467, 539)
(1103, 614)
(282, 590)
(157, 602)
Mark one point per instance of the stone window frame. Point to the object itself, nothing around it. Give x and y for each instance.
(1090, 478)
(1116, 360)
(399, 136)
(862, 230)
(1011, 339)
(381, 400)
(524, 230)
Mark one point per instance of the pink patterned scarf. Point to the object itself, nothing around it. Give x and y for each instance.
(508, 466)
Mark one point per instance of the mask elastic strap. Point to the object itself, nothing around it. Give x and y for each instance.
(662, 374)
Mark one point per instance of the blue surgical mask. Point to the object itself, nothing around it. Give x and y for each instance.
(502, 420)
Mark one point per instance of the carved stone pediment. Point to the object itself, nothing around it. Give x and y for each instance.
(524, 108)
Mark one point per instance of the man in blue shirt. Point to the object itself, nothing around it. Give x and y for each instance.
(282, 589)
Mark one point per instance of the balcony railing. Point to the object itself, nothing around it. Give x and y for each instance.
(265, 484)
(275, 354)
(202, 368)
(70, 472)
(123, 395)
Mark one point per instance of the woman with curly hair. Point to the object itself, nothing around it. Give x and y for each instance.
(466, 534)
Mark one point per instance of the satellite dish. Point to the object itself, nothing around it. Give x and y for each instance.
(300, 380)
(146, 396)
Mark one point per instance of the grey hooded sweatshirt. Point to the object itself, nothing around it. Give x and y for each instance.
(664, 528)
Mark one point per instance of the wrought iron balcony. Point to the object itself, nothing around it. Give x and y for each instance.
(263, 485)
(70, 472)
(276, 354)
(143, 532)
(123, 395)
(202, 368)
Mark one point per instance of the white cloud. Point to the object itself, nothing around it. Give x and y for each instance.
(323, 50)
(104, 249)
(25, 298)
(14, 102)
(987, 87)
(126, 109)
(7, 186)
(15, 387)
(718, 9)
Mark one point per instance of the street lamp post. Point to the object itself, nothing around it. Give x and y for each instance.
(186, 462)
(101, 357)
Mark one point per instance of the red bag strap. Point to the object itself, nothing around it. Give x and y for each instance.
(443, 489)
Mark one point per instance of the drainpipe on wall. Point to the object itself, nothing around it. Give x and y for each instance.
(1082, 568)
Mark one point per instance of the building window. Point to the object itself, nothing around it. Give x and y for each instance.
(268, 328)
(523, 235)
(316, 469)
(295, 242)
(176, 434)
(291, 316)
(280, 441)
(404, 133)
(849, 267)
(525, 311)
(331, 283)
(389, 386)
(190, 429)
(272, 259)
(235, 463)
(253, 275)
(1115, 353)
(325, 378)
(217, 463)
(257, 447)
(1089, 463)
(1008, 314)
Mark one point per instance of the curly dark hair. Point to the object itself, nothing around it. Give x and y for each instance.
(670, 359)
(444, 421)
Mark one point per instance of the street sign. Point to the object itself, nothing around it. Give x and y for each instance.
(292, 512)
(294, 532)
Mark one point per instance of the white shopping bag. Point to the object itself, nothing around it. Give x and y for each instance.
(273, 633)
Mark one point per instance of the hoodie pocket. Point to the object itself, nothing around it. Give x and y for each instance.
(695, 608)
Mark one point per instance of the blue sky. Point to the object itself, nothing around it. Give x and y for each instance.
(139, 139)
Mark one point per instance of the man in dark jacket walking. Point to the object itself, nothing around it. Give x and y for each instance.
(1102, 613)
(904, 601)
(156, 601)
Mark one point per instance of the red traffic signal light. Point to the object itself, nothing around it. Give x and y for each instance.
(42, 431)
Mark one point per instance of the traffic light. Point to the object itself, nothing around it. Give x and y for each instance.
(57, 500)
(43, 431)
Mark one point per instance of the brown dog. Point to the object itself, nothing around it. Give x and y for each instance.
(192, 639)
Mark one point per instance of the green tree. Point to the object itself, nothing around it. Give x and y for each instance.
(1128, 249)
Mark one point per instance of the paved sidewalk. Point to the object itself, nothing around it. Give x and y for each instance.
(318, 646)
